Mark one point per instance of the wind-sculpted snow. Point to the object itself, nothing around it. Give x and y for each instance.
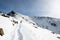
(51, 24)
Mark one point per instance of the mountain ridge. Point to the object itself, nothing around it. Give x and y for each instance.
(29, 28)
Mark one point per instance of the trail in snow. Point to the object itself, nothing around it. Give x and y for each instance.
(25, 28)
(19, 33)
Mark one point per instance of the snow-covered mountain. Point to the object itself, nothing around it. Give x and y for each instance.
(16, 26)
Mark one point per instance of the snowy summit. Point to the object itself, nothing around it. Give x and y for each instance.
(15, 26)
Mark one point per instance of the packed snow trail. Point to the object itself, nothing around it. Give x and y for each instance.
(19, 33)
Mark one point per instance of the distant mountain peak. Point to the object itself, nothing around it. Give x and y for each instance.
(12, 13)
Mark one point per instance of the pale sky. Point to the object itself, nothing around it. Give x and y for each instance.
(32, 7)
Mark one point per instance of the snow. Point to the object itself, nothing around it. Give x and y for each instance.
(5, 23)
(29, 28)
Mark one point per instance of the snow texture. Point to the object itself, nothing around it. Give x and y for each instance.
(21, 27)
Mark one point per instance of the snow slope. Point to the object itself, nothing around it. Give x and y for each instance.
(20, 27)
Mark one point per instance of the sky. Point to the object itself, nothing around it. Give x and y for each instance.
(32, 7)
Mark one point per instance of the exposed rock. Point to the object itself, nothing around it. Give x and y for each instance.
(12, 13)
(58, 37)
(53, 24)
(15, 21)
(1, 32)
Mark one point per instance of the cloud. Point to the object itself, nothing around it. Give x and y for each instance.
(49, 8)
(54, 8)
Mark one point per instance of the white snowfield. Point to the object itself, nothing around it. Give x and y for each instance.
(20, 27)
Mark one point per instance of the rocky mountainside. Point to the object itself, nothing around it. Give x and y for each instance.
(15, 26)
